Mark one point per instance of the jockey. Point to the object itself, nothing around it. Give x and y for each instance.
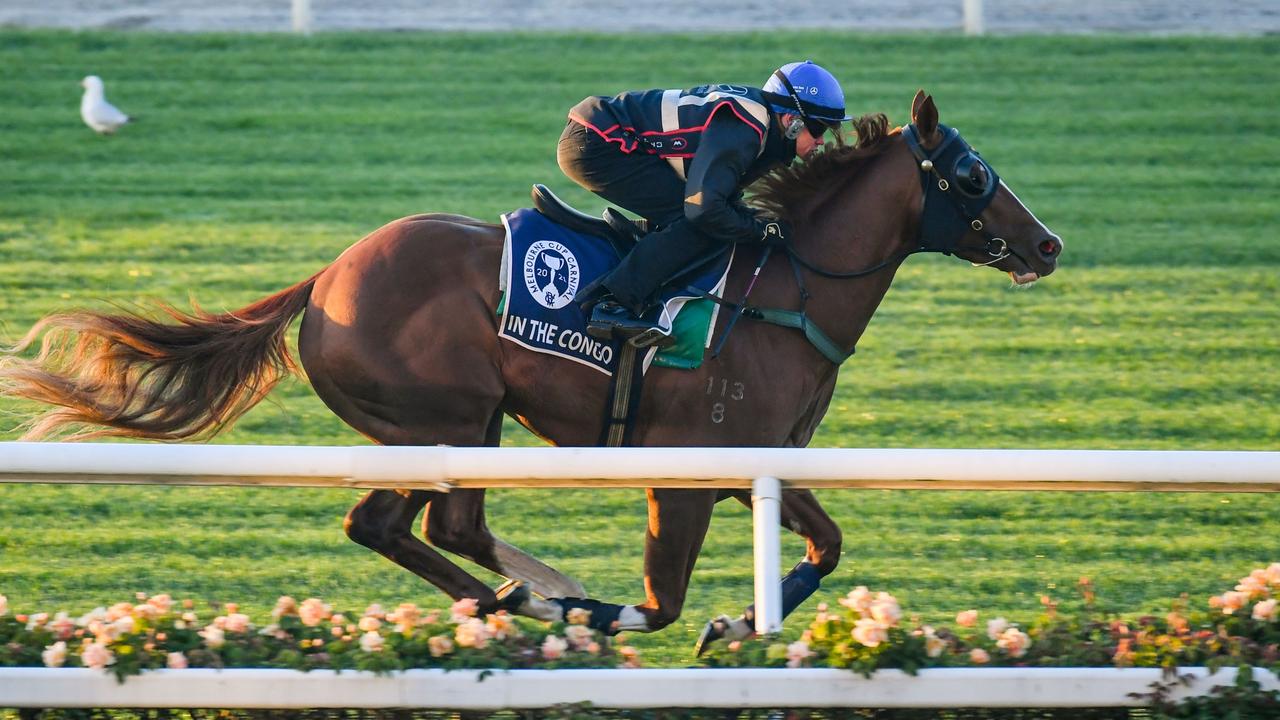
(680, 159)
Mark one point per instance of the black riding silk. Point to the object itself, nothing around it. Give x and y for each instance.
(717, 139)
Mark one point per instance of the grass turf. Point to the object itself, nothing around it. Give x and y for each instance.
(258, 158)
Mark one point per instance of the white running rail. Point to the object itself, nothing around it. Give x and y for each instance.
(765, 470)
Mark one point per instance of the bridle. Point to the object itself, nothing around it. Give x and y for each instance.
(958, 186)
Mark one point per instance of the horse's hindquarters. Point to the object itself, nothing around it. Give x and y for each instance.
(399, 339)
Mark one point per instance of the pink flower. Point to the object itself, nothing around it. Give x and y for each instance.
(213, 637)
(869, 632)
(933, 645)
(162, 603)
(1255, 586)
(463, 609)
(797, 653)
(375, 611)
(1014, 642)
(97, 656)
(593, 648)
(858, 600)
(501, 625)
(440, 645)
(284, 606)
(119, 610)
(237, 623)
(577, 616)
(176, 661)
(997, 626)
(37, 620)
(885, 610)
(405, 616)
(472, 632)
(968, 618)
(313, 612)
(62, 626)
(54, 655)
(553, 647)
(369, 623)
(371, 642)
(1265, 610)
(1272, 573)
(1233, 601)
(630, 656)
(979, 656)
(735, 646)
(4, 605)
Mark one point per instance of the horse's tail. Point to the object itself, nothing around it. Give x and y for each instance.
(128, 375)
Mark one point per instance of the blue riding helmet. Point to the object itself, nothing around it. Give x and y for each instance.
(808, 89)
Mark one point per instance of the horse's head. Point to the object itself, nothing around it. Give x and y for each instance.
(968, 210)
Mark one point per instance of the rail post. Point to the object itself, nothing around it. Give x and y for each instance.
(766, 515)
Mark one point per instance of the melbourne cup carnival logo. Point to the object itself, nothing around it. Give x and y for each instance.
(551, 274)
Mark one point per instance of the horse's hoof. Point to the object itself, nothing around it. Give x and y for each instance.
(512, 595)
(713, 631)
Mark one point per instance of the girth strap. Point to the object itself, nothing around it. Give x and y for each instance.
(799, 321)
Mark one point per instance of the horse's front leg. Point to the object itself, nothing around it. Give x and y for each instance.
(803, 515)
(678, 521)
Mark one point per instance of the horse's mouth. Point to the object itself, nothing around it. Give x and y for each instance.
(1023, 278)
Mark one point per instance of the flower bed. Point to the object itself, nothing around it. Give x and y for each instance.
(866, 633)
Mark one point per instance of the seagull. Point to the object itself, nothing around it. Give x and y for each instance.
(99, 114)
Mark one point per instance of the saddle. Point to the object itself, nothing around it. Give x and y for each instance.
(621, 231)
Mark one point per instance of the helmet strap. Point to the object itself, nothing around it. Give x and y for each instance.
(795, 97)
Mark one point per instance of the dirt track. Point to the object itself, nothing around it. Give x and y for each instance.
(1245, 17)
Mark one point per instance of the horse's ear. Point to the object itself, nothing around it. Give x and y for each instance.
(925, 116)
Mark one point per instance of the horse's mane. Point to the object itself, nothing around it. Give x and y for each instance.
(778, 192)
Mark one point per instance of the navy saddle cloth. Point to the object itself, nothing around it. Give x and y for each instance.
(544, 264)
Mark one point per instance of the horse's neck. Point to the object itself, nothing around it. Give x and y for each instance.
(860, 225)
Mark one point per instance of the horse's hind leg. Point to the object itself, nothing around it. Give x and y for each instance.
(455, 522)
(803, 515)
(382, 522)
(678, 521)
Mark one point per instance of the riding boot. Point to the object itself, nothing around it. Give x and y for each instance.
(634, 283)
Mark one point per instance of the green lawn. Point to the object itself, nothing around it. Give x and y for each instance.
(257, 159)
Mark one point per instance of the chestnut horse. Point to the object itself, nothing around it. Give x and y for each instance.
(399, 338)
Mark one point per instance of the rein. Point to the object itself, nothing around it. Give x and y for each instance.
(946, 174)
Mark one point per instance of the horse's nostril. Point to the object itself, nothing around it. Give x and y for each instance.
(1050, 247)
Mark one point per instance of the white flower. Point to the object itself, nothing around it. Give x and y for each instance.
(371, 641)
(369, 623)
(579, 636)
(36, 620)
(4, 604)
(54, 655)
(933, 645)
(176, 661)
(997, 626)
